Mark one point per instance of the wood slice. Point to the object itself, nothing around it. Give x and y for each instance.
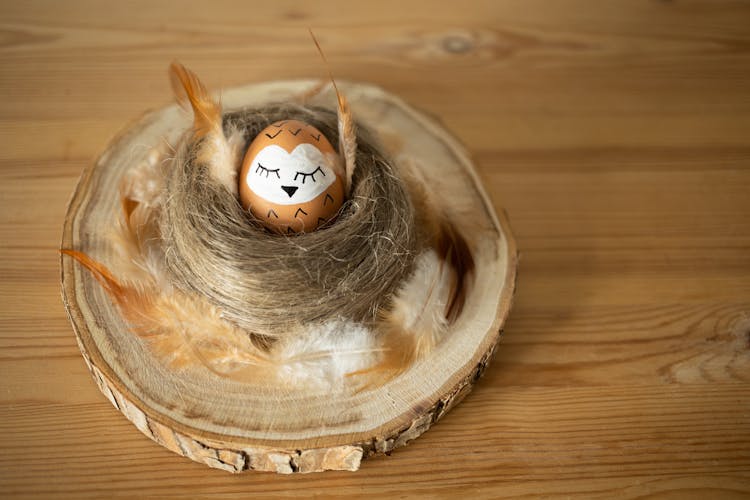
(235, 426)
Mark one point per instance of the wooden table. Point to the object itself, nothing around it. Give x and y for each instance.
(615, 134)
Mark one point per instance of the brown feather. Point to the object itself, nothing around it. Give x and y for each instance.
(188, 88)
(346, 126)
(128, 205)
(100, 272)
(455, 253)
(221, 156)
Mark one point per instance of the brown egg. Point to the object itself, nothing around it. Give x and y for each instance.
(291, 178)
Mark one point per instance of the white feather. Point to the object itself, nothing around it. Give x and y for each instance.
(323, 355)
(420, 303)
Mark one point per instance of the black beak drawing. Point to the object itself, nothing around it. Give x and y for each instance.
(290, 189)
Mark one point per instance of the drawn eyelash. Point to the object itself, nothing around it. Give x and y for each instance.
(261, 170)
(311, 174)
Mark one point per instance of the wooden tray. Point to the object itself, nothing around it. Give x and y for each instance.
(235, 427)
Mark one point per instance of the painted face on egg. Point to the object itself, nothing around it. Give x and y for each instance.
(290, 178)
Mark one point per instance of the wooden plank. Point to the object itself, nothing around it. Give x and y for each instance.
(619, 440)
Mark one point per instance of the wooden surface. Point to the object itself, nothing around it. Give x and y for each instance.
(615, 134)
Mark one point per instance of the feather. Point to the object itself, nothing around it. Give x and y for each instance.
(458, 262)
(183, 330)
(416, 320)
(445, 239)
(135, 240)
(189, 89)
(431, 299)
(212, 149)
(145, 182)
(346, 126)
(414, 323)
(347, 139)
(321, 355)
(135, 235)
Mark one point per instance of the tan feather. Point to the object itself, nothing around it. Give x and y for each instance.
(346, 126)
(182, 330)
(145, 182)
(213, 149)
(189, 89)
(347, 139)
(135, 237)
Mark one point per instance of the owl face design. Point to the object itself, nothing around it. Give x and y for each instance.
(288, 178)
(291, 178)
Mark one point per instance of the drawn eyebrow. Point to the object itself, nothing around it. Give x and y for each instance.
(274, 135)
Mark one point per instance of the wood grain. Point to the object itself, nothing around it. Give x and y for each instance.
(615, 134)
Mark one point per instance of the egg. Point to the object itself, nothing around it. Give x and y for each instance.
(291, 178)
